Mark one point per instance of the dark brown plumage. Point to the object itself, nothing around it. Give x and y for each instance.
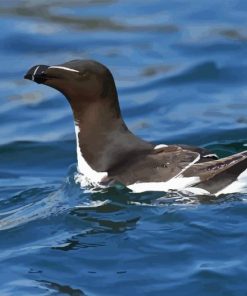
(107, 145)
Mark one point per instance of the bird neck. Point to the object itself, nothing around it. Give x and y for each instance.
(103, 139)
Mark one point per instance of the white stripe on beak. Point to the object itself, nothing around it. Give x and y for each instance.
(35, 71)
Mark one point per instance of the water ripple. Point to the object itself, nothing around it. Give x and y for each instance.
(180, 69)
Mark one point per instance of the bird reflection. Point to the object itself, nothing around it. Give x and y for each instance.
(63, 289)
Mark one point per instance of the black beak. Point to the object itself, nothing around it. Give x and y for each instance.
(37, 73)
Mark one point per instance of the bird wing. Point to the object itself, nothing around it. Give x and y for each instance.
(177, 167)
(216, 175)
(159, 165)
(205, 154)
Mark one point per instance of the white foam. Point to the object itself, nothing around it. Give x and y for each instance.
(89, 175)
(239, 185)
(63, 68)
(195, 191)
(93, 204)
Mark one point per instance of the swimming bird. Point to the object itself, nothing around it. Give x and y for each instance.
(109, 153)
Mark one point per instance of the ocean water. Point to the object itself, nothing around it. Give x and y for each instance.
(181, 72)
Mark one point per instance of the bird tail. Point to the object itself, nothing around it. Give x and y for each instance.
(226, 175)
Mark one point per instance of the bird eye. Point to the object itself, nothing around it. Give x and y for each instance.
(84, 74)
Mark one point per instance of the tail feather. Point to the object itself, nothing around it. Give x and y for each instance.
(226, 175)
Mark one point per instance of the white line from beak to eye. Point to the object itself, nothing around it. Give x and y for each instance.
(35, 71)
(63, 68)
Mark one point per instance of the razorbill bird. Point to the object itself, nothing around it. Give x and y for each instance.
(108, 152)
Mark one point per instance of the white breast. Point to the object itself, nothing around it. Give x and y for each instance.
(87, 173)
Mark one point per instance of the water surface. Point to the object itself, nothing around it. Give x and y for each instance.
(181, 73)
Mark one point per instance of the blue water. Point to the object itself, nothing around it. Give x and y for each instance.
(181, 72)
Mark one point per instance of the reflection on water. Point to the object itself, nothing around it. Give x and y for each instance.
(181, 72)
(64, 290)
